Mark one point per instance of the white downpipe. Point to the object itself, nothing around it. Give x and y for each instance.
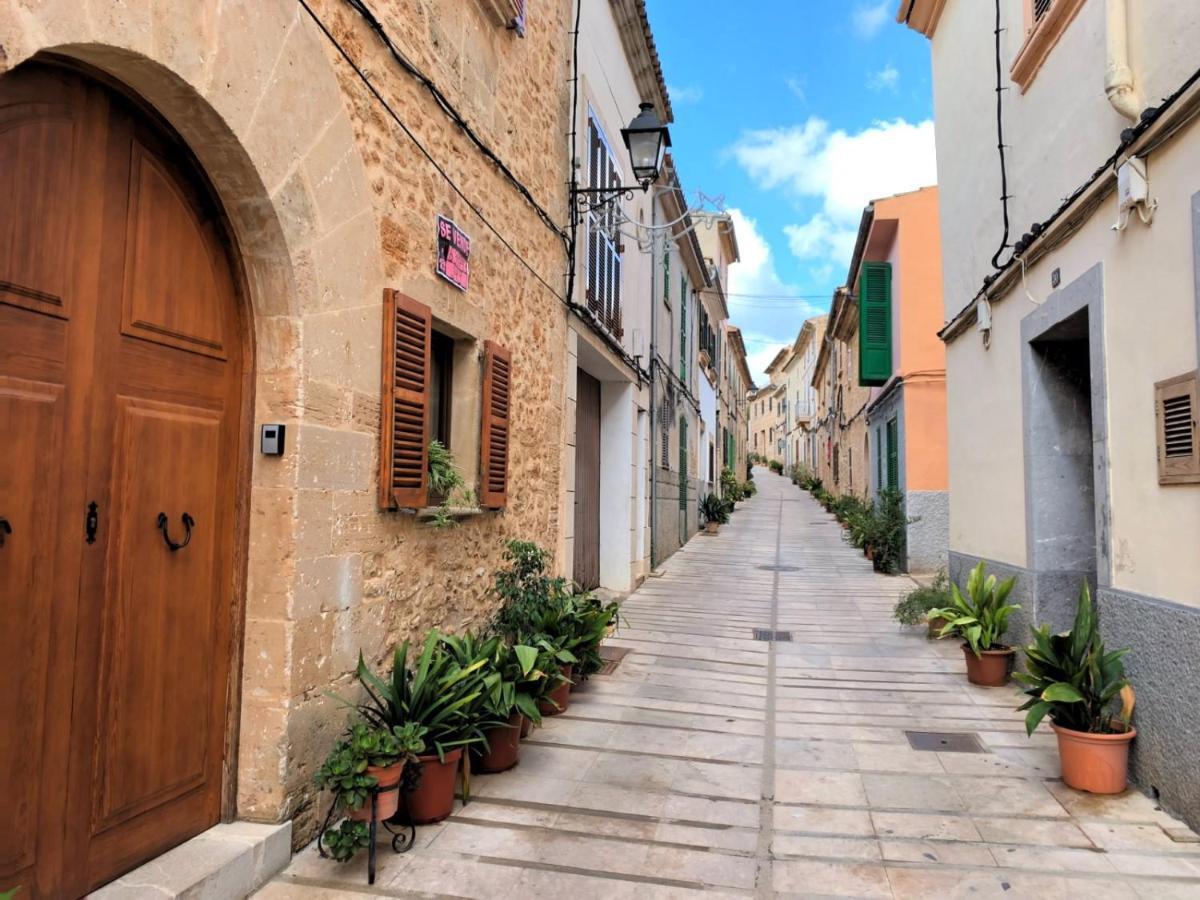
(1118, 76)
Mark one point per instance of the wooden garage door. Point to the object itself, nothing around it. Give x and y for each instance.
(587, 481)
(120, 400)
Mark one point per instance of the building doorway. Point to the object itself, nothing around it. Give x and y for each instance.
(123, 348)
(587, 481)
(1060, 479)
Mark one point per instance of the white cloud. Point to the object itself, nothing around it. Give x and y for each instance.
(869, 18)
(760, 350)
(886, 79)
(842, 171)
(686, 94)
(797, 84)
(755, 274)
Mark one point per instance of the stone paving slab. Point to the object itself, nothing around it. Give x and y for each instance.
(712, 764)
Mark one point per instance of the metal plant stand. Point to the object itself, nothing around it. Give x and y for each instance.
(400, 826)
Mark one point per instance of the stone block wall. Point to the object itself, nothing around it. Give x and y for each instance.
(328, 203)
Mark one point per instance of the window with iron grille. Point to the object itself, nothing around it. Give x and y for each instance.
(603, 283)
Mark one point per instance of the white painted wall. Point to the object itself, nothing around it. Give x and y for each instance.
(1061, 130)
(618, 484)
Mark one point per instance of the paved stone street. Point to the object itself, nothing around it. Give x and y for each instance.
(709, 761)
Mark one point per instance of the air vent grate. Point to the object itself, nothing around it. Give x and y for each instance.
(766, 634)
(780, 568)
(945, 741)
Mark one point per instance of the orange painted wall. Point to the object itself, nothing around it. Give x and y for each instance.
(920, 355)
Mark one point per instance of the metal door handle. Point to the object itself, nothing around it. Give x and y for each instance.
(5, 529)
(188, 522)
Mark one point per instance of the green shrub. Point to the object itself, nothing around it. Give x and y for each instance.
(731, 488)
(888, 531)
(913, 607)
(714, 509)
(775, 466)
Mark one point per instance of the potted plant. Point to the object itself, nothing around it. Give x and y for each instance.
(981, 618)
(923, 603)
(368, 761)
(441, 695)
(509, 669)
(715, 513)
(1075, 681)
(447, 488)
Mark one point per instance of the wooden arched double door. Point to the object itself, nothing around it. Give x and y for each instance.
(121, 398)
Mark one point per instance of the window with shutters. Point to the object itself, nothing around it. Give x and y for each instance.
(1045, 22)
(603, 281)
(432, 389)
(664, 434)
(878, 459)
(874, 323)
(1176, 411)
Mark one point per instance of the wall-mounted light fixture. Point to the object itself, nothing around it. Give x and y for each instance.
(647, 139)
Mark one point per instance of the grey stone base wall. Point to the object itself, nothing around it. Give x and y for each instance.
(1162, 664)
(928, 536)
(666, 520)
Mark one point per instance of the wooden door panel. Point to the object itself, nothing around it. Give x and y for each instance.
(31, 418)
(159, 632)
(587, 481)
(170, 270)
(37, 166)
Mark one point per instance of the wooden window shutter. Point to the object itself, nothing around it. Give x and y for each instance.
(404, 402)
(875, 323)
(497, 405)
(893, 455)
(1176, 410)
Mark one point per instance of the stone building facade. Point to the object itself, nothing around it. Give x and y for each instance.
(841, 427)
(330, 165)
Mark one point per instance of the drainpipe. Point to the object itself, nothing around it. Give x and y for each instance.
(653, 381)
(1118, 76)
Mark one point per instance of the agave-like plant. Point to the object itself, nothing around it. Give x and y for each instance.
(437, 692)
(1073, 679)
(981, 616)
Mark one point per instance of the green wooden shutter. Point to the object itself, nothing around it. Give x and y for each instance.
(893, 456)
(683, 326)
(667, 277)
(874, 323)
(878, 459)
(683, 462)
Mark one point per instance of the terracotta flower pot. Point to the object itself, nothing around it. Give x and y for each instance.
(433, 798)
(991, 668)
(558, 699)
(1098, 763)
(386, 801)
(505, 744)
(712, 527)
(526, 726)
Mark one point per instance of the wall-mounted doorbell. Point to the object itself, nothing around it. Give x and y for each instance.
(271, 442)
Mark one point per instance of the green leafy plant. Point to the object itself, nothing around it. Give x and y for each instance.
(888, 531)
(446, 485)
(345, 840)
(775, 466)
(10, 893)
(714, 509)
(1073, 679)
(748, 488)
(913, 608)
(435, 692)
(980, 616)
(345, 768)
(731, 488)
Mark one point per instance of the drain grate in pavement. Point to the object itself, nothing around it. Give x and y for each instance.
(766, 634)
(780, 568)
(611, 657)
(945, 741)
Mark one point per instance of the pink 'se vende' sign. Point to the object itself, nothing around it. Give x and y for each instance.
(453, 254)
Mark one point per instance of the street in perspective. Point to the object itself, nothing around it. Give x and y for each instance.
(599, 448)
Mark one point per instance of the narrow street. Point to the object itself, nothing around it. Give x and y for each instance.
(711, 761)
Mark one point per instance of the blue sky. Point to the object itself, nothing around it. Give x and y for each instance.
(796, 112)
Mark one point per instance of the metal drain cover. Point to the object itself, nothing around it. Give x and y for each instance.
(944, 741)
(766, 634)
(780, 568)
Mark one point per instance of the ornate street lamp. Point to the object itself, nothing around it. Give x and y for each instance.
(647, 139)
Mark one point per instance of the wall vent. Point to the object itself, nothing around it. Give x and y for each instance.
(1176, 411)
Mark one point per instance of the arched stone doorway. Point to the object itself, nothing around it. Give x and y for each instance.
(252, 93)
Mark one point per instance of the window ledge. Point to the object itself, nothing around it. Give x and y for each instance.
(455, 512)
(1041, 40)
